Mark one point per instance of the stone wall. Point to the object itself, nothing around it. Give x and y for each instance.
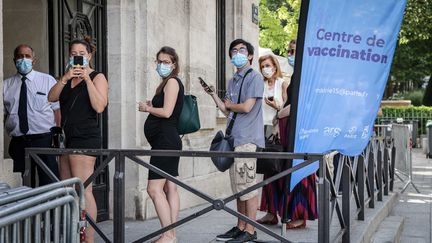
(136, 31)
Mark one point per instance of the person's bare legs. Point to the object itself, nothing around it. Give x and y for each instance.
(251, 206)
(248, 208)
(173, 198)
(64, 167)
(241, 208)
(155, 189)
(82, 166)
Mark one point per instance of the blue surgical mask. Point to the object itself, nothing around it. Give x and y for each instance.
(24, 65)
(291, 60)
(71, 59)
(164, 70)
(239, 60)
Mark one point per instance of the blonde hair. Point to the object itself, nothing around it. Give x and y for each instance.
(278, 73)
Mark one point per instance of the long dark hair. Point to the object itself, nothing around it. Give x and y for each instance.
(174, 59)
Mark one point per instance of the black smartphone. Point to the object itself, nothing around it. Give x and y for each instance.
(271, 98)
(204, 84)
(78, 60)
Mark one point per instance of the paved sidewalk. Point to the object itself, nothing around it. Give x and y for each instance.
(415, 207)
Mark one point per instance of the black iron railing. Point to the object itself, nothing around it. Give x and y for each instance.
(371, 172)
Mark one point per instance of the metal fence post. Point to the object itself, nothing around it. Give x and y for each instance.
(386, 171)
(119, 198)
(371, 178)
(393, 161)
(324, 204)
(361, 186)
(379, 174)
(346, 196)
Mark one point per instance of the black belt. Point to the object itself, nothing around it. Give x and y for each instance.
(31, 137)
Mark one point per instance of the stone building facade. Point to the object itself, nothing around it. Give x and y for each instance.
(135, 31)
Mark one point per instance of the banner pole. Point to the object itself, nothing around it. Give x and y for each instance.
(294, 92)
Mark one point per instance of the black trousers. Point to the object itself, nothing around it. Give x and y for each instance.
(17, 153)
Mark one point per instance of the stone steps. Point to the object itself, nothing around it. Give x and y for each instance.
(362, 231)
(390, 230)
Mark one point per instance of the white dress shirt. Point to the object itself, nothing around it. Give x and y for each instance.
(39, 111)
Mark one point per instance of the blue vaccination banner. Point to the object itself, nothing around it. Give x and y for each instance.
(348, 50)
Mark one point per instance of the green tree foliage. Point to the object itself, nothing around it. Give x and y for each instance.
(278, 24)
(413, 57)
(416, 96)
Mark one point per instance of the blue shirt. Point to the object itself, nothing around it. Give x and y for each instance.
(39, 110)
(248, 127)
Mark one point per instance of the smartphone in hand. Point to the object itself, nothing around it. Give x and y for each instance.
(207, 88)
(203, 83)
(78, 60)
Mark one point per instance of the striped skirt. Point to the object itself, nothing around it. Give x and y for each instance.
(300, 203)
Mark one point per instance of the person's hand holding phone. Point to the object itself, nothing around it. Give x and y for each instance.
(271, 102)
(75, 70)
(144, 106)
(149, 103)
(69, 74)
(208, 89)
(82, 73)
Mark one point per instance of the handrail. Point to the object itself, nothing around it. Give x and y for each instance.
(375, 164)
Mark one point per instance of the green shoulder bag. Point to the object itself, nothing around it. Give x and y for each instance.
(189, 121)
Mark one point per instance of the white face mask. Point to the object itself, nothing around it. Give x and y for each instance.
(267, 72)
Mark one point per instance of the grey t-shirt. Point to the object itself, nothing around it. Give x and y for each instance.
(248, 127)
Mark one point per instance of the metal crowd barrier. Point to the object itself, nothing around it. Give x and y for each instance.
(382, 130)
(371, 173)
(49, 213)
(403, 165)
(4, 187)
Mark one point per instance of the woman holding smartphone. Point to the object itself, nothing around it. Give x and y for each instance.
(274, 90)
(83, 94)
(160, 129)
(275, 95)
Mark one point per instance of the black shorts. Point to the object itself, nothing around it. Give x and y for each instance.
(83, 138)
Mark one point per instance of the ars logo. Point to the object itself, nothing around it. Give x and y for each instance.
(332, 131)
